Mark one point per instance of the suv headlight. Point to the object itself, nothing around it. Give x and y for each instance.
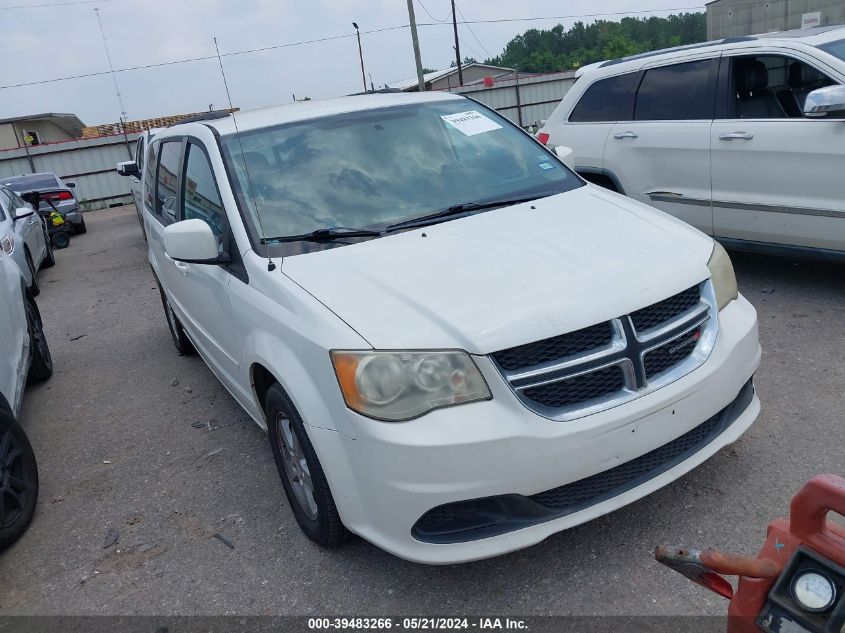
(397, 386)
(722, 275)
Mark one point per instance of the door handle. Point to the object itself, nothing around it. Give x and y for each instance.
(182, 267)
(738, 136)
(628, 134)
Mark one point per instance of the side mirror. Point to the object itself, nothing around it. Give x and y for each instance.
(71, 185)
(566, 155)
(24, 212)
(824, 101)
(193, 242)
(128, 168)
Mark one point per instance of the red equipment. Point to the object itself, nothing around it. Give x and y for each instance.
(796, 583)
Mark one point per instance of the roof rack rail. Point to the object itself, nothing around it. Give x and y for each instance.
(675, 49)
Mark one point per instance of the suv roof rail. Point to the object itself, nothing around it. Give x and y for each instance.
(675, 49)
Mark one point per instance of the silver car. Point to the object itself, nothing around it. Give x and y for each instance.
(23, 236)
(51, 188)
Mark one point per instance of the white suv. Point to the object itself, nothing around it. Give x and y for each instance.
(743, 138)
(458, 347)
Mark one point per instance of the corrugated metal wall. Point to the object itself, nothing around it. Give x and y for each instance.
(89, 163)
(731, 18)
(537, 96)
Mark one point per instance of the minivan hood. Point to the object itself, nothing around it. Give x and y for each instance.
(509, 276)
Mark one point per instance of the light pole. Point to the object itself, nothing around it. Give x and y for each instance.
(361, 55)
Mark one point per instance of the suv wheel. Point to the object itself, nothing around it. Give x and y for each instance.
(302, 476)
(41, 366)
(18, 480)
(177, 332)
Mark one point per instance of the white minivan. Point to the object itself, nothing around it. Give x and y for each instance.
(458, 347)
(743, 138)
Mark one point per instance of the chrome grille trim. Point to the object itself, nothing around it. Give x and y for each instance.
(628, 349)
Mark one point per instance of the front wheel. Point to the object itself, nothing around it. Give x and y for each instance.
(50, 256)
(177, 332)
(41, 365)
(18, 480)
(302, 475)
(34, 288)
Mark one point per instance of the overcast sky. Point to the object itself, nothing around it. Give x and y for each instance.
(58, 41)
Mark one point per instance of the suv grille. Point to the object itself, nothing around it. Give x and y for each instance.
(603, 365)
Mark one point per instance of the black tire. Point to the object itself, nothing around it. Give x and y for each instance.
(80, 228)
(320, 521)
(60, 240)
(177, 332)
(41, 361)
(50, 257)
(18, 480)
(34, 288)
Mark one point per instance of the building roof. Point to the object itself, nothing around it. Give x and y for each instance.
(69, 123)
(304, 110)
(428, 78)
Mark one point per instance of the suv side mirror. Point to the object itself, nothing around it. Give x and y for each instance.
(128, 168)
(193, 242)
(24, 212)
(566, 155)
(825, 101)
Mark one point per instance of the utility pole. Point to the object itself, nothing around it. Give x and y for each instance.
(361, 55)
(416, 41)
(457, 45)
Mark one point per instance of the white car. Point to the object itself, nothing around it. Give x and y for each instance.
(457, 346)
(743, 138)
(24, 355)
(23, 236)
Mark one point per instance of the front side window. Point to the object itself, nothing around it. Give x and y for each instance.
(837, 48)
(608, 100)
(200, 196)
(139, 153)
(373, 168)
(167, 180)
(772, 86)
(680, 92)
(149, 178)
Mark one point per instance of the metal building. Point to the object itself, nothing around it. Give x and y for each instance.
(731, 18)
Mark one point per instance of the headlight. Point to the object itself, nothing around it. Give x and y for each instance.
(397, 386)
(7, 243)
(722, 276)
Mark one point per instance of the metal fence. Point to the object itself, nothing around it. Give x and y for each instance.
(526, 100)
(89, 163)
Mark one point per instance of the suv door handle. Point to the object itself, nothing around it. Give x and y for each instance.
(182, 267)
(739, 136)
(628, 134)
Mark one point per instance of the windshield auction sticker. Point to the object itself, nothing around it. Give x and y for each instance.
(471, 122)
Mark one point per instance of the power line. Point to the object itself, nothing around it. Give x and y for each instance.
(337, 37)
(53, 4)
(473, 32)
(419, 2)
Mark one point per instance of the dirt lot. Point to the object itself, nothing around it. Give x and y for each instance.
(121, 447)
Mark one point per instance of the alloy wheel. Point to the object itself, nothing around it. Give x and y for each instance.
(296, 467)
(15, 487)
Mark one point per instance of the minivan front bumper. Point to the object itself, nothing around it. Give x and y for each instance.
(483, 479)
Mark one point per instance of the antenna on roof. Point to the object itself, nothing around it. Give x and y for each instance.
(270, 264)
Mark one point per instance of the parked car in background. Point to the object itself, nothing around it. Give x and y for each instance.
(23, 236)
(133, 170)
(53, 190)
(743, 138)
(458, 347)
(24, 355)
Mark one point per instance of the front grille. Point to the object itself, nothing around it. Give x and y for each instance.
(550, 349)
(659, 360)
(582, 372)
(578, 389)
(665, 310)
(599, 485)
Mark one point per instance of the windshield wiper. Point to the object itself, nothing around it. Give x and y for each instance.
(324, 235)
(464, 207)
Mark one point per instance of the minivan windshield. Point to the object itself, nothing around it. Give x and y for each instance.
(837, 48)
(376, 168)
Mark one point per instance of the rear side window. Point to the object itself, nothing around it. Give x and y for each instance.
(149, 177)
(681, 92)
(167, 180)
(607, 100)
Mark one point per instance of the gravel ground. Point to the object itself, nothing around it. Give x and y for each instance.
(122, 446)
